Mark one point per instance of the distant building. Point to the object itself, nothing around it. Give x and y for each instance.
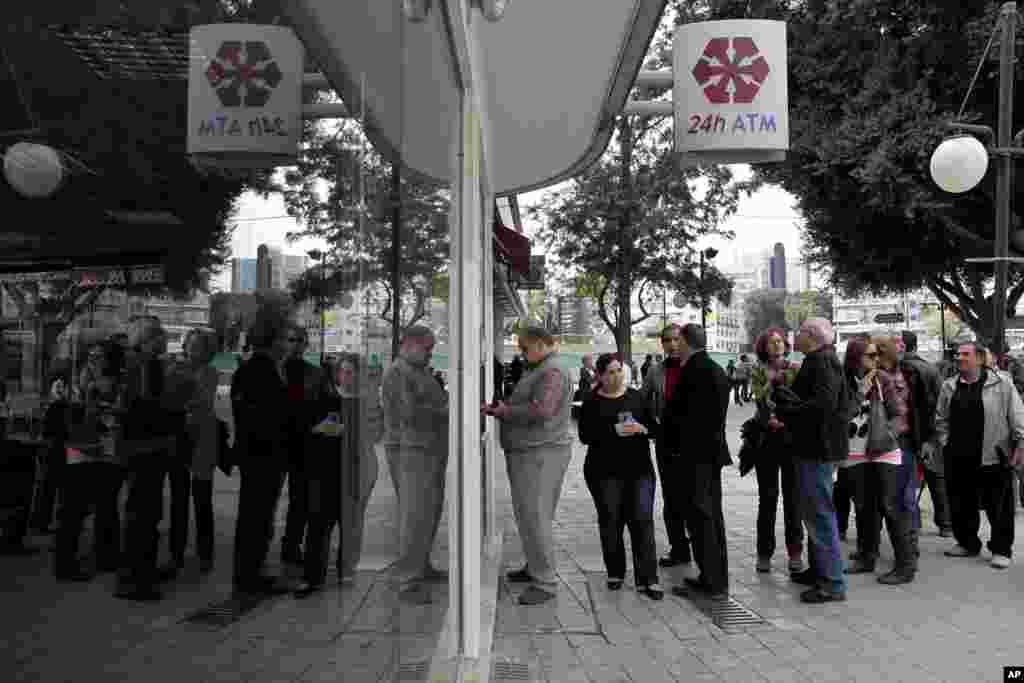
(777, 269)
(575, 314)
(275, 269)
(243, 275)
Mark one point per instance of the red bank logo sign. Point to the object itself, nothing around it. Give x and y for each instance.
(243, 73)
(731, 75)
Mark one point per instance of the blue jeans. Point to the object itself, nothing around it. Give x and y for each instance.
(908, 475)
(819, 516)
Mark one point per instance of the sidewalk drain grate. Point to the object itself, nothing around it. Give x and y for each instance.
(510, 671)
(412, 671)
(223, 613)
(730, 615)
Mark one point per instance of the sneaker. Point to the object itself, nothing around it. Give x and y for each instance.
(796, 564)
(519, 576)
(1000, 561)
(945, 533)
(764, 565)
(960, 551)
(653, 591)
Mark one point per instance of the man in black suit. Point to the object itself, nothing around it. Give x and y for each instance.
(699, 404)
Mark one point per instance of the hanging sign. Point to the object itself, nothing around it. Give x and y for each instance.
(245, 95)
(731, 91)
(93, 277)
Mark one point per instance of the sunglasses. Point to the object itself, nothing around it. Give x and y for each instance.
(294, 339)
(873, 354)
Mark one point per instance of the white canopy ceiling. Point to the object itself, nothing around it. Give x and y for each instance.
(556, 73)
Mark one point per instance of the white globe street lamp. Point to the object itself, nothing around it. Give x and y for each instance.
(959, 164)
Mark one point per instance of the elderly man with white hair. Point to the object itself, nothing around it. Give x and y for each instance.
(816, 412)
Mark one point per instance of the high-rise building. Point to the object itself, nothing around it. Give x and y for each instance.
(777, 271)
(243, 275)
(275, 269)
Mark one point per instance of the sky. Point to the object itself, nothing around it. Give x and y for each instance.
(762, 220)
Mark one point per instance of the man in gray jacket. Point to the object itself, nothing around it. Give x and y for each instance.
(416, 443)
(657, 389)
(979, 421)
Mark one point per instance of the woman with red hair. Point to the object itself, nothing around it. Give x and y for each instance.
(774, 457)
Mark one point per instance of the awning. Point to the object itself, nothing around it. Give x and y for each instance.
(513, 247)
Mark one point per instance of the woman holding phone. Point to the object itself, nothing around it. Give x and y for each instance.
(616, 425)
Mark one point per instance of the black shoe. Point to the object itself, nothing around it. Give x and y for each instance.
(264, 585)
(17, 549)
(897, 577)
(535, 596)
(805, 578)
(673, 561)
(653, 591)
(614, 584)
(817, 596)
(519, 576)
(698, 585)
(205, 566)
(307, 589)
(76, 574)
(168, 572)
(859, 566)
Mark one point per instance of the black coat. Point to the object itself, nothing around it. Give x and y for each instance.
(259, 400)
(815, 412)
(694, 420)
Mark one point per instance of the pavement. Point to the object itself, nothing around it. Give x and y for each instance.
(959, 621)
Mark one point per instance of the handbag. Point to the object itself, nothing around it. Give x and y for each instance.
(881, 441)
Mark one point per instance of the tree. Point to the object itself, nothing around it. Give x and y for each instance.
(764, 308)
(632, 221)
(871, 85)
(349, 200)
(811, 303)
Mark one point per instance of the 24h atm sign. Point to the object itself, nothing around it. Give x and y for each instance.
(245, 94)
(731, 93)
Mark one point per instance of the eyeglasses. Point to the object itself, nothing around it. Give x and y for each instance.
(294, 339)
(665, 340)
(872, 354)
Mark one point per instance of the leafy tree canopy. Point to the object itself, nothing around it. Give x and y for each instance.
(871, 85)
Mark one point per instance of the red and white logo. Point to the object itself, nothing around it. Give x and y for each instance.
(243, 73)
(731, 75)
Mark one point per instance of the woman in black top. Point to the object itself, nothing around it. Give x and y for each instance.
(342, 468)
(616, 425)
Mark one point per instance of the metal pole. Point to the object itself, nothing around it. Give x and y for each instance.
(703, 302)
(396, 246)
(323, 307)
(1005, 168)
(942, 323)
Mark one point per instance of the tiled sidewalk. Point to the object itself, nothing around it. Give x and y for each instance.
(960, 621)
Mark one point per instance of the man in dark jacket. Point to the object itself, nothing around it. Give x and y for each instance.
(259, 398)
(698, 407)
(924, 383)
(817, 417)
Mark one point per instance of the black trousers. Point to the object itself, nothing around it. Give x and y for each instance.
(18, 472)
(707, 524)
(770, 467)
(625, 503)
(973, 486)
(936, 483)
(144, 478)
(183, 488)
(297, 517)
(880, 496)
(84, 485)
(261, 479)
(50, 480)
(675, 507)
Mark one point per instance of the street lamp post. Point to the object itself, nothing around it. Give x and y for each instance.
(709, 253)
(959, 164)
(321, 256)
